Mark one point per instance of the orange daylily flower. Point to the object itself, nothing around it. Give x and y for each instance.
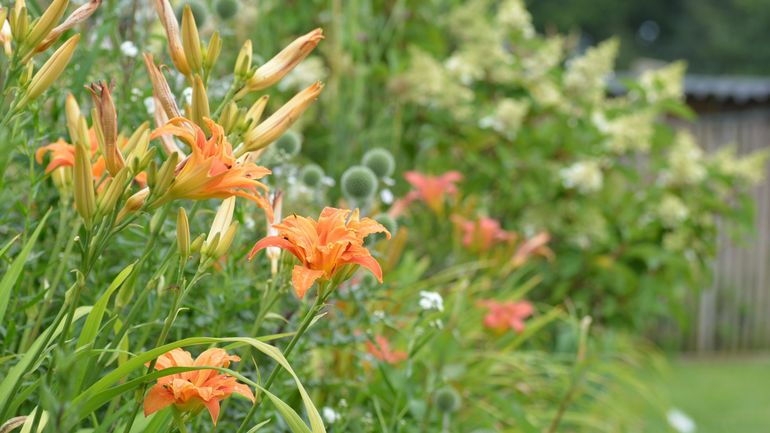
(211, 170)
(484, 233)
(533, 245)
(506, 315)
(324, 246)
(63, 155)
(432, 189)
(191, 391)
(381, 350)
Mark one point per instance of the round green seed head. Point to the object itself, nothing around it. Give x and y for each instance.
(198, 10)
(359, 183)
(380, 161)
(447, 400)
(289, 143)
(227, 9)
(311, 175)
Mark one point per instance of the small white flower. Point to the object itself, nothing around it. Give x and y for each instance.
(378, 315)
(431, 301)
(129, 49)
(585, 176)
(680, 421)
(386, 196)
(187, 95)
(149, 104)
(330, 415)
(343, 402)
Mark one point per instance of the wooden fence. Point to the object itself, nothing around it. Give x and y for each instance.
(734, 313)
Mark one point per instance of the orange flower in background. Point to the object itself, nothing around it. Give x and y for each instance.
(63, 155)
(211, 170)
(381, 350)
(534, 245)
(432, 189)
(324, 246)
(484, 233)
(506, 315)
(191, 391)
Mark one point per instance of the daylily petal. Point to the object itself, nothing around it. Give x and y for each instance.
(158, 398)
(303, 278)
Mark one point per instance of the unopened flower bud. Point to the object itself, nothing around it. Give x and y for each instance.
(175, 48)
(243, 61)
(85, 201)
(183, 233)
(200, 102)
(44, 25)
(191, 42)
(79, 15)
(107, 122)
(50, 71)
(280, 65)
(133, 203)
(212, 52)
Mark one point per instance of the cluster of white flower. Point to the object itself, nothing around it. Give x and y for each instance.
(672, 210)
(507, 118)
(630, 132)
(129, 49)
(546, 57)
(513, 14)
(584, 176)
(586, 75)
(431, 301)
(750, 169)
(685, 161)
(664, 83)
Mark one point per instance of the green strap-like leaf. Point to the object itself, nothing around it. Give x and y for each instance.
(12, 274)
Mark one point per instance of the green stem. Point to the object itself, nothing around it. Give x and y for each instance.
(319, 303)
(179, 421)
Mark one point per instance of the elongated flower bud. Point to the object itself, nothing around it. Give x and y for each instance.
(110, 195)
(160, 89)
(50, 71)
(280, 65)
(275, 125)
(200, 102)
(254, 115)
(243, 61)
(18, 20)
(85, 201)
(45, 24)
(79, 15)
(72, 113)
(229, 117)
(175, 48)
(183, 233)
(212, 53)
(107, 120)
(133, 204)
(191, 42)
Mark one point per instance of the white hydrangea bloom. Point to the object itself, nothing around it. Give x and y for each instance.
(129, 49)
(685, 161)
(631, 132)
(664, 83)
(584, 176)
(507, 118)
(431, 301)
(672, 210)
(514, 15)
(586, 75)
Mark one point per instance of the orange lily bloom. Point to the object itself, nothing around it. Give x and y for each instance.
(63, 155)
(432, 189)
(481, 235)
(191, 391)
(325, 246)
(211, 170)
(381, 350)
(506, 315)
(533, 245)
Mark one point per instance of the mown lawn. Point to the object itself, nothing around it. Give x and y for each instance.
(722, 395)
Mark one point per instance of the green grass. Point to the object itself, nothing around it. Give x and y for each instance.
(722, 395)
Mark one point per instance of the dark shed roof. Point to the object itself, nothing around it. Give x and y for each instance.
(737, 89)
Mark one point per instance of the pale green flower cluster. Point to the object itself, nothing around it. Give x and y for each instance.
(583, 176)
(626, 133)
(685, 161)
(514, 16)
(587, 74)
(672, 210)
(750, 168)
(664, 83)
(507, 117)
